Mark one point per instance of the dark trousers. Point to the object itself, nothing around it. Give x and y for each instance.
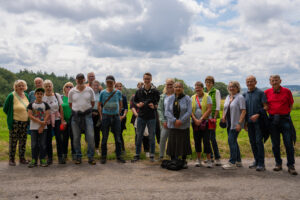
(96, 130)
(257, 144)
(215, 154)
(145, 142)
(199, 136)
(284, 127)
(59, 140)
(38, 144)
(18, 133)
(123, 127)
(68, 134)
(113, 122)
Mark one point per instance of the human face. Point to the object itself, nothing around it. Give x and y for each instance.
(39, 96)
(119, 86)
(80, 81)
(38, 83)
(170, 87)
(48, 88)
(275, 83)
(95, 86)
(20, 88)
(209, 84)
(198, 89)
(251, 83)
(178, 89)
(67, 89)
(147, 79)
(233, 89)
(91, 77)
(110, 84)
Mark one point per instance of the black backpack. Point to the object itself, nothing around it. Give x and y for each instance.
(173, 165)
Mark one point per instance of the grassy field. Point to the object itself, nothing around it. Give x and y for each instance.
(129, 139)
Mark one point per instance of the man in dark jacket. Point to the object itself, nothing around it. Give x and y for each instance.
(146, 100)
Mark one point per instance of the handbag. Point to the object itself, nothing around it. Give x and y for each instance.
(212, 124)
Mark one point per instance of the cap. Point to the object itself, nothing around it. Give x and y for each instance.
(110, 78)
(80, 76)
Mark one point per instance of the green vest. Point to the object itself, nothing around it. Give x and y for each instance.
(203, 103)
(212, 94)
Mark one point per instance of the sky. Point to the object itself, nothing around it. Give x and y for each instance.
(186, 39)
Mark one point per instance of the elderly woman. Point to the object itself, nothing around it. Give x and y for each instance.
(234, 115)
(56, 118)
(67, 132)
(164, 134)
(201, 110)
(178, 112)
(15, 107)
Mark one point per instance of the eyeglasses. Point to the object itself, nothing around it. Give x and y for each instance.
(69, 86)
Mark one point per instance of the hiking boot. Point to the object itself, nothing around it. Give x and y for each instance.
(24, 161)
(218, 162)
(135, 158)
(209, 164)
(239, 164)
(292, 170)
(32, 163)
(78, 161)
(121, 160)
(229, 166)
(260, 168)
(12, 163)
(277, 168)
(92, 161)
(198, 163)
(43, 163)
(103, 160)
(253, 165)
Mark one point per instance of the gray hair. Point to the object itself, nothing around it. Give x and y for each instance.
(17, 82)
(235, 84)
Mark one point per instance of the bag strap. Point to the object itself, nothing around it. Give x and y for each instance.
(109, 97)
(22, 102)
(199, 104)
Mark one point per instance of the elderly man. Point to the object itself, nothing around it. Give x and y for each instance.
(280, 103)
(81, 101)
(256, 101)
(38, 83)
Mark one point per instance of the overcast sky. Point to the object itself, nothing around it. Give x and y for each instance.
(186, 39)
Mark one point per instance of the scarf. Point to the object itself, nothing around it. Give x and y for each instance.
(176, 106)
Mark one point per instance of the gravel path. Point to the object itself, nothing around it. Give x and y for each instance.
(145, 180)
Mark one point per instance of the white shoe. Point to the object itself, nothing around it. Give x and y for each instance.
(198, 163)
(209, 164)
(229, 166)
(239, 164)
(218, 162)
(147, 154)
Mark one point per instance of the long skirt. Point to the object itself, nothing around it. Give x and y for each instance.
(179, 143)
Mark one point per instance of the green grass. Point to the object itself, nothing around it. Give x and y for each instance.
(129, 136)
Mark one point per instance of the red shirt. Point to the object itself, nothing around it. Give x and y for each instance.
(279, 102)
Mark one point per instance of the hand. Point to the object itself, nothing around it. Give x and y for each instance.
(254, 117)
(139, 105)
(63, 122)
(238, 128)
(197, 122)
(223, 119)
(178, 123)
(151, 105)
(121, 118)
(165, 125)
(41, 129)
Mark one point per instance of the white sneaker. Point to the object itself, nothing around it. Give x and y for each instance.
(98, 152)
(209, 164)
(239, 164)
(198, 163)
(218, 162)
(229, 166)
(147, 155)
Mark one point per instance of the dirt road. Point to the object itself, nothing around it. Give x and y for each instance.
(145, 180)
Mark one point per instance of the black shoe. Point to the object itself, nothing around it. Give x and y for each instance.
(121, 160)
(60, 160)
(135, 158)
(92, 161)
(24, 161)
(103, 160)
(277, 168)
(260, 168)
(292, 170)
(49, 161)
(253, 166)
(78, 161)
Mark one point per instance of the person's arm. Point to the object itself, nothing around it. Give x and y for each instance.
(120, 106)
(61, 115)
(35, 119)
(242, 106)
(188, 113)
(169, 113)
(92, 103)
(224, 110)
(125, 106)
(7, 103)
(137, 100)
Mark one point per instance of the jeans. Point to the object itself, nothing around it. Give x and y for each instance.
(282, 127)
(214, 144)
(38, 144)
(89, 136)
(145, 141)
(164, 134)
(235, 154)
(257, 144)
(113, 122)
(141, 125)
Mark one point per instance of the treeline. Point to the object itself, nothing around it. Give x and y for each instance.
(7, 79)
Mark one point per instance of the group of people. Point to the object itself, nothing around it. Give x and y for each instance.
(88, 108)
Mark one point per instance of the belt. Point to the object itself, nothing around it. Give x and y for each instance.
(110, 115)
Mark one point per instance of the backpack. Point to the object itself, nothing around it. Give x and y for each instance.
(173, 165)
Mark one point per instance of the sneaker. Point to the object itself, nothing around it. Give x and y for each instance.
(32, 163)
(260, 168)
(24, 161)
(103, 160)
(239, 164)
(97, 152)
(218, 162)
(121, 160)
(78, 161)
(92, 161)
(229, 166)
(135, 158)
(253, 166)
(12, 163)
(277, 168)
(209, 164)
(147, 155)
(198, 163)
(152, 159)
(43, 163)
(292, 170)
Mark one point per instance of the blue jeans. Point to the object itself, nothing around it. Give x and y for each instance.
(235, 154)
(89, 136)
(38, 144)
(257, 144)
(282, 127)
(141, 125)
(113, 122)
(215, 153)
(164, 134)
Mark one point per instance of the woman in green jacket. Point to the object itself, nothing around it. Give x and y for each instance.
(15, 107)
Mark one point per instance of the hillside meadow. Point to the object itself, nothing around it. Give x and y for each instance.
(130, 147)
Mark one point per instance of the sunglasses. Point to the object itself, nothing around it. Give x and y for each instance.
(69, 86)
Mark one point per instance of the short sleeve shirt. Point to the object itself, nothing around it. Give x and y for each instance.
(54, 102)
(112, 106)
(81, 100)
(237, 105)
(198, 112)
(254, 102)
(38, 111)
